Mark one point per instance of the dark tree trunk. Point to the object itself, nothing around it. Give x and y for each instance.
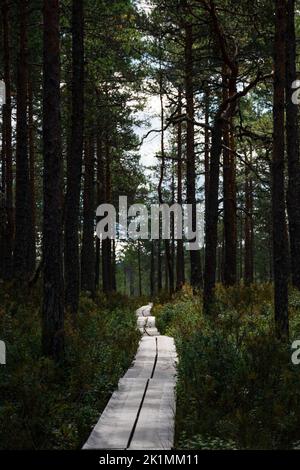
(248, 229)
(152, 269)
(113, 267)
(106, 244)
(167, 279)
(2, 200)
(159, 270)
(206, 149)
(278, 194)
(53, 297)
(8, 236)
(169, 266)
(140, 270)
(125, 280)
(172, 219)
(211, 225)
(180, 272)
(23, 264)
(100, 200)
(88, 248)
(3, 160)
(292, 135)
(195, 259)
(106, 266)
(97, 263)
(131, 282)
(74, 162)
(229, 193)
(31, 147)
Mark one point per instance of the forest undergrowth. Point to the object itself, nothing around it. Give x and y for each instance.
(237, 386)
(46, 405)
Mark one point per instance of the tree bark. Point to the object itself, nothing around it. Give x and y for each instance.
(100, 200)
(278, 193)
(31, 147)
(140, 269)
(206, 148)
(106, 244)
(211, 225)
(53, 295)
(229, 190)
(88, 248)
(159, 268)
(113, 267)
(195, 259)
(180, 271)
(292, 136)
(169, 266)
(152, 269)
(7, 150)
(23, 264)
(74, 162)
(248, 229)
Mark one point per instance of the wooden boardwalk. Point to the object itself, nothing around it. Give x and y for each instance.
(141, 412)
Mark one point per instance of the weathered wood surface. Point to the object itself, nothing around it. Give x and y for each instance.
(141, 412)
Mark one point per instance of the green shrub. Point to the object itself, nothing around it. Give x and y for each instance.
(49, 406)
(237, 387)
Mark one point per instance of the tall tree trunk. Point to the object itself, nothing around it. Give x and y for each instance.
(195, 259)
(152, 270)
(31, 147)
(2, 200)
(88, 248)
(292, 136)
(180, 271)
(169, 267)
(113, 267)
(140, 269)
(167, 276)
(278, 194)
(106, 244)
(248, 229)
(7, 149)
(100, 200)
(131, 282)
(229, 191)
(23, 264)
(97, 263)
(211, 223)
(172, 220)
(159, 268)
(206, 149)
(53, 295)
(125, 280)
(74, 162)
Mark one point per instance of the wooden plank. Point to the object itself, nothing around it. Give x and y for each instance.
(150, 331)
(155, 427)
(144, 311)
(146, 349)
(141, 412)
(116, 422)
(149, 322)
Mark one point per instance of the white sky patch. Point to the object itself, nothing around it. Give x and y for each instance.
(151, 144)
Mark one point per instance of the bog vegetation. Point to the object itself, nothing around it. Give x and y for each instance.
(237, 387)
(50, 406)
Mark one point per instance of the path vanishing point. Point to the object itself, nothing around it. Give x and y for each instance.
(141, 413)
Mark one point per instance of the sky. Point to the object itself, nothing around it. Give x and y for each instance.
(151, 113)
(151, 145)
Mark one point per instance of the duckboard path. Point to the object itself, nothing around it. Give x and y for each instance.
(141, 413)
